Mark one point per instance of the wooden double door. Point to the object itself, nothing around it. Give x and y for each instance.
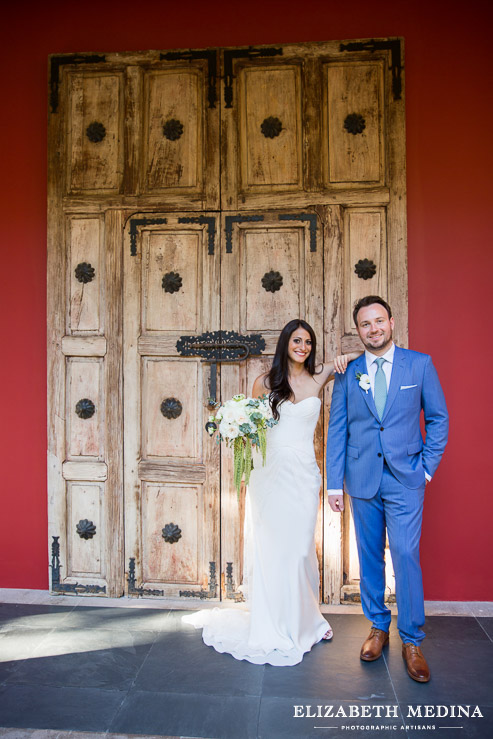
(198, 201)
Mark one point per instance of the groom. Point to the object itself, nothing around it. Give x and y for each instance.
(375, 446)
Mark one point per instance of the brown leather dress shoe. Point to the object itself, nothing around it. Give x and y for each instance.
(417, 667)
(372, 648)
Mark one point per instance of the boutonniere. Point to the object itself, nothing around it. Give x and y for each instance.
(363, 381)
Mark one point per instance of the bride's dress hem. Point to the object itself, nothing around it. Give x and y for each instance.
(213, 623)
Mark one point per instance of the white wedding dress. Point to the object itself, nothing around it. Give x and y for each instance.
(281, 570)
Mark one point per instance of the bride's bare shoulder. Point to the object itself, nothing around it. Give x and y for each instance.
(261, 385)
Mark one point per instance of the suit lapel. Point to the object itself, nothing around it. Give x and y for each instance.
(360, 366)
(395, 378)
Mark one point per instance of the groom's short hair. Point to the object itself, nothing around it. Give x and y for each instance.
(369, 300)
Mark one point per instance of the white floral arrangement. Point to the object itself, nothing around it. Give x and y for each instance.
(363, 381)
(243, 423)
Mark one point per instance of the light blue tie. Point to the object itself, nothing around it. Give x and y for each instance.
(380, 392)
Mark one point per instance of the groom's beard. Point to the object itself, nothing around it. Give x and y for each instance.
(380, 342)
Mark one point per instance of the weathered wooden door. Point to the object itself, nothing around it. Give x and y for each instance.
(171, 467)
(192, 193)
(272, 271)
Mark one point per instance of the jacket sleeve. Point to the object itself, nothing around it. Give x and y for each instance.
(337, 435)
(436, 418)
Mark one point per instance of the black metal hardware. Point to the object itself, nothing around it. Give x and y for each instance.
(229, 221)
(271, 127)
(55, 64)
(230, 55)
(135, 223)
(204, 594)
(84, 272)
(172, 282)
(132, 588)
(95, 132)
(354, 123)
(171, 408)
(392, 45)
(85, 408)
(365, 269)
(211, 427)
(220, 346)
(173, 129)
(210, 222)
(312, 220)
(272, 281)
(210, 55)
(86, 529)
(231, 594)
(67, 588)
(171, 533)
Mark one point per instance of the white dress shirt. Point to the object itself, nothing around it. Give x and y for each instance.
(372, 367)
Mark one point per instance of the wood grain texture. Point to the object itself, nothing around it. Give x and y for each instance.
(95, 98)
(220, 165)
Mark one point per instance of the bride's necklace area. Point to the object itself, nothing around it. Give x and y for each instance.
(298, 396)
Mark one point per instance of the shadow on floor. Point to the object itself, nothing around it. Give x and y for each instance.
(141, 671)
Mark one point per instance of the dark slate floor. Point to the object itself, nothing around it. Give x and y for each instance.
(140, 671)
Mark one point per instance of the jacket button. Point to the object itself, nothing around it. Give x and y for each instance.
(379, 454)
(381, 428)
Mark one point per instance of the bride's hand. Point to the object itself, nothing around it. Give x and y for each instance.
(340, 363)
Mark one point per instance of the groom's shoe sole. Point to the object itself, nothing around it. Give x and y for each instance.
(372, 647)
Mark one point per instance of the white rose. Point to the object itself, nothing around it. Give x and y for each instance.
(229, 414)
(364, 382)
(228, 430)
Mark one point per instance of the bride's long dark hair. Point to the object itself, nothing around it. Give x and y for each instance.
(280, 389)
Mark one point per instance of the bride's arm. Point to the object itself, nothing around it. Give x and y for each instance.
(338, 364)
(259, 386)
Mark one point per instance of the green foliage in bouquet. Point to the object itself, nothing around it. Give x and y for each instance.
(243, 424)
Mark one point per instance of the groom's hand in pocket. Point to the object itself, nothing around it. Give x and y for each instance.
(336, 502)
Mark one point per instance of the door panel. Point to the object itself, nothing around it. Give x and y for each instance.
(273, 243)
(270, 124)
(95, 128)
(171, 468)
(173, 144)
(352, 131)
(85, 243)
(85, 555)
(164, 381)
(175, 301)
(366, 258)
(85, 408)
(164, 505)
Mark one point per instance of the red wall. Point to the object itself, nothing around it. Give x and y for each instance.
(449, 124)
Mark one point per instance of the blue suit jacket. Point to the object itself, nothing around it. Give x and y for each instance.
(358, 441)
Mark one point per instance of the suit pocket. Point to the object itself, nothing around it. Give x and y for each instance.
(415, 447)
(409, 395)
(351, 451)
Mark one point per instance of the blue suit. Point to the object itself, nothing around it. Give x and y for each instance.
(388, 496)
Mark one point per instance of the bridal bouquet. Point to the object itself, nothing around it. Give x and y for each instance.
(243, 423)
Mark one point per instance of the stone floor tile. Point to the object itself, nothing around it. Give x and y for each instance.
(47, 707)
(181, 662)
(193, 715)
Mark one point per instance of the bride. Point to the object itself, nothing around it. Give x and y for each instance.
(280, 568)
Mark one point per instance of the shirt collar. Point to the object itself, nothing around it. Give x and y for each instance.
(388, 356)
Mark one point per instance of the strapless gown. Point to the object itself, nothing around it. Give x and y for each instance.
(281, 580)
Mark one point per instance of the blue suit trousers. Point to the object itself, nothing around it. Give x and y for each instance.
(398, 510)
